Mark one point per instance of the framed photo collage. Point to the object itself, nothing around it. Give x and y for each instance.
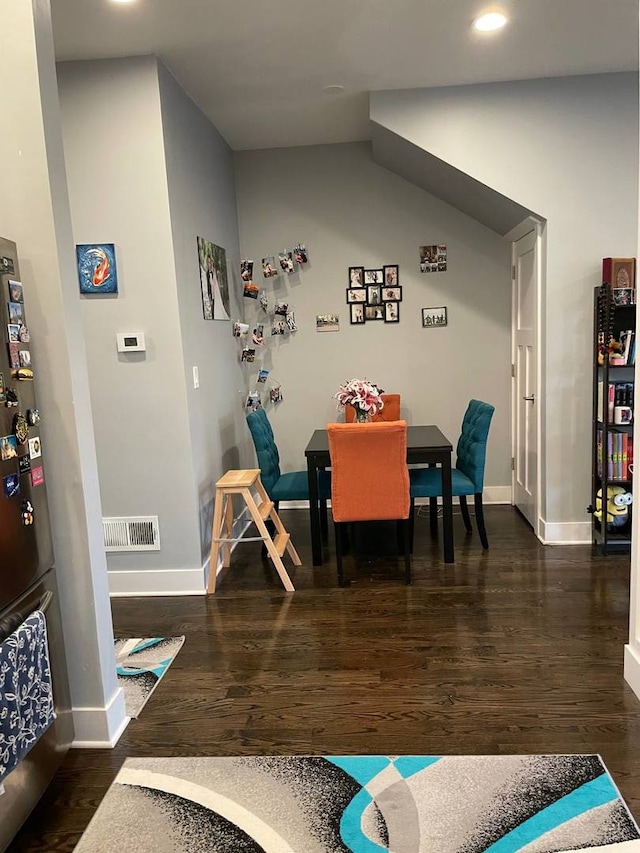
(374, 294)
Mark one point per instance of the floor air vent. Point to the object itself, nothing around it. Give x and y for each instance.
(138, 533)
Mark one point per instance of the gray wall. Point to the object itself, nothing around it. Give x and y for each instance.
(118, 191)
(203, 203)
(568, 149)
(352, 212)
(34, 211)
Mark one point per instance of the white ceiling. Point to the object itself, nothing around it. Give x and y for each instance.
(257, 67)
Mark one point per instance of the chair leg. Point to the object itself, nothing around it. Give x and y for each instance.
(433, 516)
(324, 521)
(338, 537)
(480, 521)
(406, 530)
(412, 523)
(464, 509)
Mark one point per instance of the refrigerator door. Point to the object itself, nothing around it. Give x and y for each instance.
(26, 551)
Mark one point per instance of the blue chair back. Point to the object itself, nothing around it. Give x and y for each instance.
(266, 450)
(472, 444)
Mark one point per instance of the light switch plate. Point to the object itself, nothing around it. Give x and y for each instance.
(196, 377)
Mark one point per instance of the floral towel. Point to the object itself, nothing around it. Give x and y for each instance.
(26, 698)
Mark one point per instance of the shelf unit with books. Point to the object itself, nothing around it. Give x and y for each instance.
(614, 340)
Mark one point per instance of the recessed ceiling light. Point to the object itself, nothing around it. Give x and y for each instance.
(490, 22)
(122, 1)
(334, 89)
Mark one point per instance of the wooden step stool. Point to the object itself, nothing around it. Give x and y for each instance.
(241, 483)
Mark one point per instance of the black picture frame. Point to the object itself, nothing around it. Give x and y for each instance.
(373, 312)
(358, 272)
(357, 318)
(374, 294)
(396, 291)
(392, 312)
(372, 277)
(356, 296)
(390, 275)
(428, 315)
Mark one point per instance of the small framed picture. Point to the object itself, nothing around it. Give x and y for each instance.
(374, 312)
(432, 317)
(373, 276)
(374, 297)
(356, 294)
(390, 275)
(356, 276)
(391, 294)
(97, 271)
(392, 312)
(357, 314)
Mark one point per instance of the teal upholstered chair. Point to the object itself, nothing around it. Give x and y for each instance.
(467, 478)
(292, 486)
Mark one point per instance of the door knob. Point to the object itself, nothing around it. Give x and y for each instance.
(530, 399)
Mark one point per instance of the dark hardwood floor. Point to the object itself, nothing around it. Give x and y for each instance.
(518, 650)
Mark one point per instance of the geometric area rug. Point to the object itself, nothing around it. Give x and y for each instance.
(140, 664)
(363, 804)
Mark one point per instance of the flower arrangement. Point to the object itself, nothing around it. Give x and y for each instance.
(363, 395)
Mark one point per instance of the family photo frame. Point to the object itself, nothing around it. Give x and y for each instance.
(374, 294)
(434, 317)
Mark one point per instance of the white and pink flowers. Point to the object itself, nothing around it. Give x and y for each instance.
(364, 396)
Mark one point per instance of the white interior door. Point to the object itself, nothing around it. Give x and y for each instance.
(524, 371)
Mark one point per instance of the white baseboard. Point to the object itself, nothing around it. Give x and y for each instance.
(100, 728)
(565, 532)
(157, 582)
(632, 668)
(490, 495)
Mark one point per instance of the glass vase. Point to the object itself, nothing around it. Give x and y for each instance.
(362, 415)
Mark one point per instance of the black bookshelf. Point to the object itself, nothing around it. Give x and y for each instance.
(610, 320)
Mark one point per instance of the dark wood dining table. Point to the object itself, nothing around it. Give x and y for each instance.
(425, 445)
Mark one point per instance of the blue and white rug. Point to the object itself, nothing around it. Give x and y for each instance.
(141, 663)
(363, 804)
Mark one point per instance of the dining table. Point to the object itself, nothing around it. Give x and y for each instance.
(426, 445)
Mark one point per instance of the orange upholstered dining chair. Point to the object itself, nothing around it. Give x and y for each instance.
(390, 411)
(369, 479)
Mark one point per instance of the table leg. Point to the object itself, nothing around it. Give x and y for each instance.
(314, 513)
(447, 510)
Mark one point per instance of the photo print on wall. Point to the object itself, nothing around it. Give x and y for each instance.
(246, 270)
(432, 317)
(269, 267)
(356, 314)
(300, 254)
(250, 290)
(286, 261)
(214, 282)
(433, 258)
(97, 271)
(356, 276)
(328, 323)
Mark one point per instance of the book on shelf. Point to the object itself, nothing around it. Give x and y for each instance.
(618, 394)
(626, 339)
(619, 455)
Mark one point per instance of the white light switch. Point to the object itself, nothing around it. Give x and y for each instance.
(196, 377)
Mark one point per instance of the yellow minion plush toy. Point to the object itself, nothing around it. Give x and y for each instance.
(618, 502)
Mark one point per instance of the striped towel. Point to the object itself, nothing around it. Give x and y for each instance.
(26, 697)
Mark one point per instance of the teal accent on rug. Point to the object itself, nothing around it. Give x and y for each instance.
(364, 804)
(140, 665)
